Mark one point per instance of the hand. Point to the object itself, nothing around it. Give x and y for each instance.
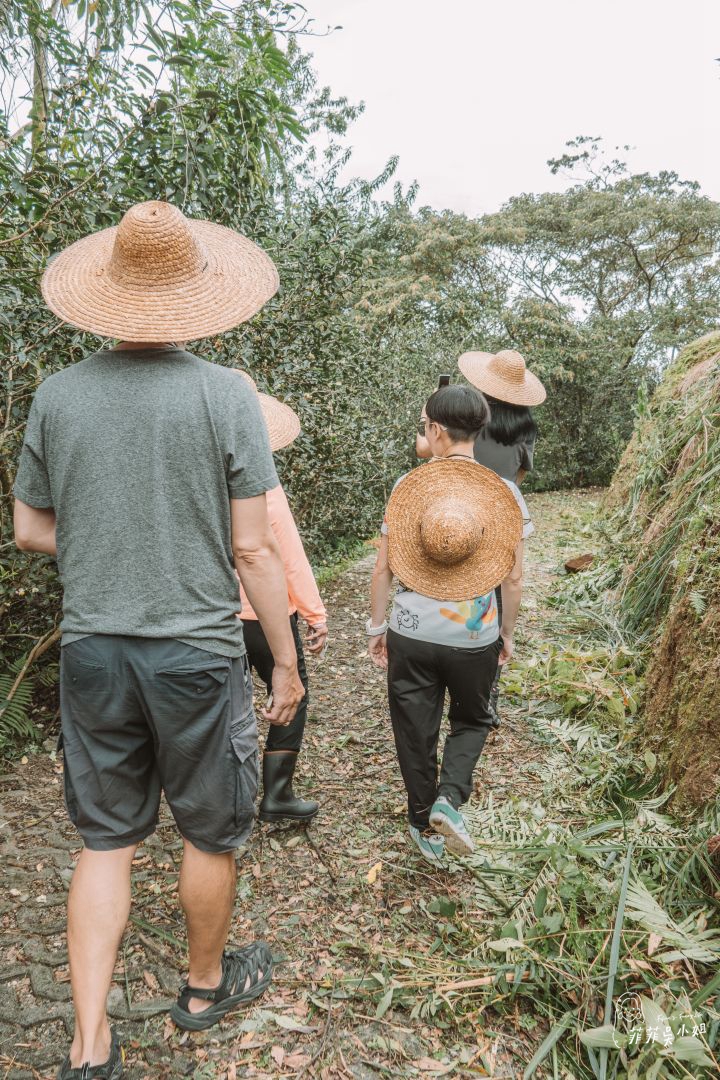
(317, 638)
(422, 448)
(287, 693)
(507, 651)
(377, 650)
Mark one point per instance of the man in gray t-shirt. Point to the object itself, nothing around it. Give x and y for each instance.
(139, 452)
(144, 470)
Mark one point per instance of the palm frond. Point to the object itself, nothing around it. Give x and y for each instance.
(691, 869)
(689, 939)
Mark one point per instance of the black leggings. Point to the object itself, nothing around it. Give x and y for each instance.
(419, 673)
(261, 659)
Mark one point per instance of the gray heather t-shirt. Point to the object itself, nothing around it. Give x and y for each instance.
(139, 454)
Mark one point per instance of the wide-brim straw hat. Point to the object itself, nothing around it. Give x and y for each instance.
(503, 376)
(159, 276)
(453, 527)
(282, 422)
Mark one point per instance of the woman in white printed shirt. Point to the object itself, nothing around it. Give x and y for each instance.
(453, 532)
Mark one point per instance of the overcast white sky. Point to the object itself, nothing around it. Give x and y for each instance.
(476, 95)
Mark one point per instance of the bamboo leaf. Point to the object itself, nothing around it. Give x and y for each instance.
(602, 1038)
(551, 1039)
(384, 1003)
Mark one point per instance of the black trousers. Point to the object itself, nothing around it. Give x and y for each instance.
(419, 673)
(261, 659)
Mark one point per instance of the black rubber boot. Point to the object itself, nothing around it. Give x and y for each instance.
(278, 801)
(494, 695)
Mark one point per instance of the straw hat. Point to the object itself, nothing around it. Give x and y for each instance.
(453, 528)
(503, 376)
(159, 276)
(282, 422)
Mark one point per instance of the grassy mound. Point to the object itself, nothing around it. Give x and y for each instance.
(666, 496)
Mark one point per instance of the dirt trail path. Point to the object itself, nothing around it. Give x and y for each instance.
(314, 895)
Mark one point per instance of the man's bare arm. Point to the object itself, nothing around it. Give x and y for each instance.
(34, 529)
(259, 564)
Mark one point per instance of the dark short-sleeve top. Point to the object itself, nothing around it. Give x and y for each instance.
(139, 454)
(506, 461)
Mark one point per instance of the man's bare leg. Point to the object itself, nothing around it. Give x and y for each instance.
(98, 909)
(207, 894)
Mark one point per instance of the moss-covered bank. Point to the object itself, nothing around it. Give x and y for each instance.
(666, 498)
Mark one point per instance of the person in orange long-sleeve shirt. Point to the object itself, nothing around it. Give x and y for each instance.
(283, 744)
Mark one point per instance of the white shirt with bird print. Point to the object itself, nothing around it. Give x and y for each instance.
(466, 624)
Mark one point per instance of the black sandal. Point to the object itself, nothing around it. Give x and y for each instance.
(112, 1069)
(238, 966)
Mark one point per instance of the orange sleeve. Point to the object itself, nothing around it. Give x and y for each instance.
(302, 589)
(303, 594)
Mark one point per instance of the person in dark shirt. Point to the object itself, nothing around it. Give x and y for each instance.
(507, 444)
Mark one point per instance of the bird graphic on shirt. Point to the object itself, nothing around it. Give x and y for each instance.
(406, 620)
(473, 614)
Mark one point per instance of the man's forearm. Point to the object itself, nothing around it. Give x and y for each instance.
(263, 579)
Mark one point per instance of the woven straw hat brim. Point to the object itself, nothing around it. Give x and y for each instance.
(283, 423)
(474, 366)
(238, 279)
(490, 498)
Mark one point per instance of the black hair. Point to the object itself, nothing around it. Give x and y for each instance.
(510, 424)
(462, 411)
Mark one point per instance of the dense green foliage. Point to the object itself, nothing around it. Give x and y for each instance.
(103, 105)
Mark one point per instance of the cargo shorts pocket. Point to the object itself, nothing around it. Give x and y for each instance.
(199, 679)
(244, 741)
(71, 803)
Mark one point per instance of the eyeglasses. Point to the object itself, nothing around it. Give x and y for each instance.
(422, 426)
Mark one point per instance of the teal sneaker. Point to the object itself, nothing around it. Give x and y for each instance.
(450, 823)
(430, 847)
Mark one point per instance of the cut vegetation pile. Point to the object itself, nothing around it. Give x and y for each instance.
(667, 498)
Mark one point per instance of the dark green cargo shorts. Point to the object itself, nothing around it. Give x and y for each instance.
(145, 715)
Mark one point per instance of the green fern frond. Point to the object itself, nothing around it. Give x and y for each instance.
(697, 602)
(48, 675)
(15, 722)
(525, 910)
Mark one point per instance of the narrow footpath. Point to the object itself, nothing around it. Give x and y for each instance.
(334, 901)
